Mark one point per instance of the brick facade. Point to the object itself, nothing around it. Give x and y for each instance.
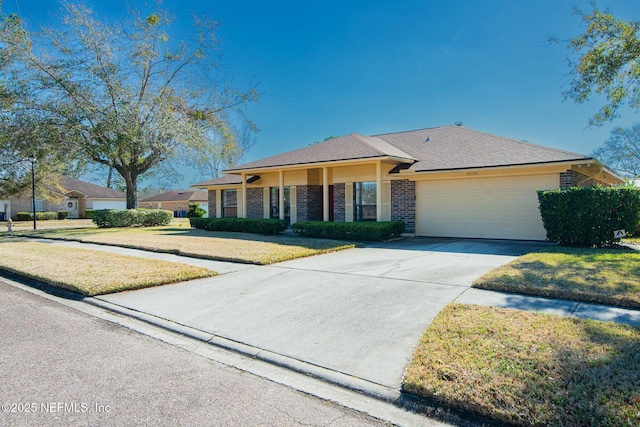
(174, 207)
(309, 202)
(571, 178)
(212, 203)
(339, 212)
(25, 204)
(403, 203)
(255, 203)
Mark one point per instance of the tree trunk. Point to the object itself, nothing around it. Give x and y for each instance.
(109, 177)
(131, 180)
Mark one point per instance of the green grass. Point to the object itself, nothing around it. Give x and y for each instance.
(605, 276)
(182, 240)
(529, 368)
(90, 272)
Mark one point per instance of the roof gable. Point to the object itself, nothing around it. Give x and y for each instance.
(88, 190)
(349, 147)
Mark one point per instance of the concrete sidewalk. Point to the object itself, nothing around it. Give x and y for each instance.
(558, 307)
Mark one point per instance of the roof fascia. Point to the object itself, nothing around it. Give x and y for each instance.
(567, 163)
(77, 192)
(315, 165)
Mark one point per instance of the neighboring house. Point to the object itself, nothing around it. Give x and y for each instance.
(73, 196)
(448, 181)
(177, 201)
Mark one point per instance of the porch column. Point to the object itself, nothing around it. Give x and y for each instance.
(325, 194)
(281, 194)
(379, 191)
(244, 197)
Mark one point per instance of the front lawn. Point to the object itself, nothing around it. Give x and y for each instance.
(224, 246)
(90, 272)
(529, 368)
(605, 276)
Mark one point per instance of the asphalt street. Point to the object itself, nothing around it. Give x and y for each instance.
(62, 367)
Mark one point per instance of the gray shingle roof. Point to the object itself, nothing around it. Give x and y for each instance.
(347, 147)
(178, 196)
(431, 149)
(458, 147)
(91, 191)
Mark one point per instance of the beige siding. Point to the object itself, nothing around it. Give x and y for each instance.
(355, 173)
(386, 200)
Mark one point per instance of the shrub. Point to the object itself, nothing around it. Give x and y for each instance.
(199, 223)
(24, 216)
(195, 211)
(40, 216)
(88, 213)
(131, 217)
(99, 218)
(365, 231)
(155, 217)
(589, 216)
(240, 225)
(63, 214)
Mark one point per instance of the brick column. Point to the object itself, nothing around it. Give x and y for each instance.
(338, 203)
(211, 196)
(255, 206)
(403, 203)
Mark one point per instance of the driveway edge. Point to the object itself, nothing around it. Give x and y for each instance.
(369, 388)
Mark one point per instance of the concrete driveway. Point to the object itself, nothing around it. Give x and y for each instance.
(359, 312)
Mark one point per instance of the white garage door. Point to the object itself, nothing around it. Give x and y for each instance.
(490, 208)
(109, 204)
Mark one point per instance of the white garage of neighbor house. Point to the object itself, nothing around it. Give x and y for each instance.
(448, 181)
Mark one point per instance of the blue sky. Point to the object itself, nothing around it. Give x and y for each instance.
(338, 67)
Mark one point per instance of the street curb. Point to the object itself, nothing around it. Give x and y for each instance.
(359, 385)
(428, 410)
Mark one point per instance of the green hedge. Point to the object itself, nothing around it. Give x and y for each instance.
(63, 214)
(199, 223)
(106, 218)
(589, 216)
(365, 231)
(88, 213)
(195, 211)
(40, 216)
(240, 225)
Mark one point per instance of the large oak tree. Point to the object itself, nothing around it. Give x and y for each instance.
(124, 95)
(605, 61)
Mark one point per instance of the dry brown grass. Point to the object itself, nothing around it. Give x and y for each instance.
(605, 276)
(530, 368)
(90, 272)
(235, 247)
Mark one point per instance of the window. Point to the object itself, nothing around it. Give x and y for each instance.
(274, 203)
(229, 203)
(364, 201)
(39, 205)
